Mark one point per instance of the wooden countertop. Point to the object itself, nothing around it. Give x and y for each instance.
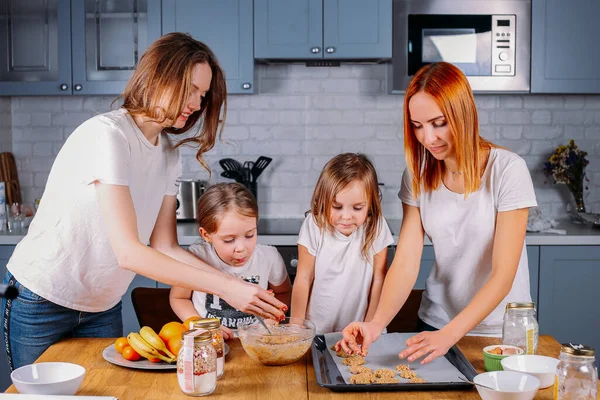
(244, 378)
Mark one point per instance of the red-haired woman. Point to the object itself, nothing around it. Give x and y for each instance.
(111, 191)
(471, 198)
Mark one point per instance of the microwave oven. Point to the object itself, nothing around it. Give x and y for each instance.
(489, 41)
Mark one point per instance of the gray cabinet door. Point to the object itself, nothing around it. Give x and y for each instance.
(108, 39)
(223, 25)
(130, 322)
(533, 257)
(564, 52)
(35, 47)
(288, 29)
(357, 29)
(569, 295)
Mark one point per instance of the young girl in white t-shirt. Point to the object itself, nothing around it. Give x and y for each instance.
(342, 247)
(227, 219)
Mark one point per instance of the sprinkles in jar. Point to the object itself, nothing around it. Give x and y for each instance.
(197, 363)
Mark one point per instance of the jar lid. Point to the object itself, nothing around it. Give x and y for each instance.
(206, 323)
(577, 350)
(204, 336)
(529, 304)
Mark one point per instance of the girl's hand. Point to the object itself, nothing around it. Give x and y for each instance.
(432, 344)
(252, 299)
(358, 336)
(226, 332)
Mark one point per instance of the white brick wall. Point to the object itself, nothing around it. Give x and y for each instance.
(303, 116)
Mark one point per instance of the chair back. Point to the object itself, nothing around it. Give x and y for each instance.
(407, 319)
(152, 307)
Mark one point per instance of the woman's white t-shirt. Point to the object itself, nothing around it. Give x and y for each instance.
(66, 256)
(342, 279)
(264, 267)
(462, 233)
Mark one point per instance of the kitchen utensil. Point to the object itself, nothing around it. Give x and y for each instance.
(235, 175)
(491, 361)
(59, 378)
(475, 384)
(247, 170)
(262, 322)
(508, 385)
(229, 164)
(259, 166)
(9, 175)
(542, 367)
(190, 191)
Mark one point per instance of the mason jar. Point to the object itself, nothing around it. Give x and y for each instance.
(213, 325)
(198, 377)
(520, 327)
(576, 374)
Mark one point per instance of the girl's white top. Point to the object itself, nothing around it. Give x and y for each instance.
(462, 232)
(66, 256)
(342, 281)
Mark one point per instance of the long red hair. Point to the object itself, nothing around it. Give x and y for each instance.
(452, 93)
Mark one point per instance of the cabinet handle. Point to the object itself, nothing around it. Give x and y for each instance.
(315, 50)
(77, 87)
(330, 50)
(294, 263)
(246, 85)
(64, 86)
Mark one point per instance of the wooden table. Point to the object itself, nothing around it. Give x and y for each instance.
(244, 378)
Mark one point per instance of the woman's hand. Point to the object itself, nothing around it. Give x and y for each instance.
(226, 333)
(252, 299)
(432, 344)
(358, 336)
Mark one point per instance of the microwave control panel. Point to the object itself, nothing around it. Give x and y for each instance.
(503, 45)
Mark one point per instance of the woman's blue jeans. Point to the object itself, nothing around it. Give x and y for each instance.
(31, 324)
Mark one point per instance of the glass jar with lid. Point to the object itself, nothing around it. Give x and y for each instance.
(213, 325)
(197, 363)
(520, 327)
(576, 374)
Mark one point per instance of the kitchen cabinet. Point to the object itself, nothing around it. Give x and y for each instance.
(130, 322)
(568, 294)
(564, 51)
(322, 29)
(223, 25)
(82, 47)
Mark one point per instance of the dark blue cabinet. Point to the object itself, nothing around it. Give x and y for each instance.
(331, 29)
(35, 47)
(223, 25)
(83, 47)
(569, 295)
(564, 52)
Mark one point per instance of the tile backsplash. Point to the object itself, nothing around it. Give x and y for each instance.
(303, 116)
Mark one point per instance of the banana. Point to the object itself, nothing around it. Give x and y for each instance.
(154, 340)
(144, 349)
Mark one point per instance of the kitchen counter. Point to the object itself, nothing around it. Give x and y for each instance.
(245, 378)
(278, 232)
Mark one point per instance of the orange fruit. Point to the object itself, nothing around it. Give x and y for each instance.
(171, 330)
(186, 323)
(154, 360)
(130, 354)
(174, 345)
(120, 344)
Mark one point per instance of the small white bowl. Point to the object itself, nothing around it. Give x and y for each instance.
(57, 378)
(509, 385)
(542, 367)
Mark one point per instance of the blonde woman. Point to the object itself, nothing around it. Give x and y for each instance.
(342, 247)
(111, 191)
(471, 198)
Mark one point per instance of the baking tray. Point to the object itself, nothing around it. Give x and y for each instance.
(329, 376)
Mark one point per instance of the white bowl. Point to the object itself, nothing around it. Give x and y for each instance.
(509, 385)
(542, 367)
(58, 378)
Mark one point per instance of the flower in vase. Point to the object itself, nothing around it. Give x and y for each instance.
(567, 166)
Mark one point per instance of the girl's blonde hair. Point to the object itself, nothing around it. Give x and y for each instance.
(338, 173)
(452, 93)
(161, 84)
(221, 198)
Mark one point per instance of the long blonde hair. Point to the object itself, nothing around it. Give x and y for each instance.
(221, 198)
(452, 93)
(338, 173)
(165, 72)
